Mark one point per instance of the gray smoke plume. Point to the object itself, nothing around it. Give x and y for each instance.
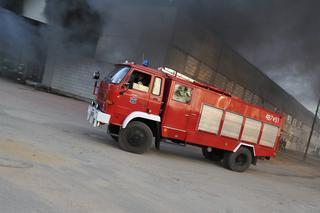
(4, 3)
(78, 24)
(81, 22)
(18, 38)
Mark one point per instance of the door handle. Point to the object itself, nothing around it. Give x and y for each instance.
(187, 115)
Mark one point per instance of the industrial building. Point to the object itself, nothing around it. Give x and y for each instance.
(167, 36)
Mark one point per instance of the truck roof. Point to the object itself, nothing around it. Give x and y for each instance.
(144, 68)
(196, 83)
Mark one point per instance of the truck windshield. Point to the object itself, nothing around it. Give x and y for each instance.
(117, 74)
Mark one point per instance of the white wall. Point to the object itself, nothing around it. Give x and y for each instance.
(34, 9)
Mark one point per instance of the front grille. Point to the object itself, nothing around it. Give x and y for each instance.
(102, 94)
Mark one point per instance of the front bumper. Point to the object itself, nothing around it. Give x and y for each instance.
(96, 117)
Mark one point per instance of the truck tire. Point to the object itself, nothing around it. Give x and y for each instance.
(115, 138)
(113, 131)
(137, 137)
(214, 155)
(238, 161)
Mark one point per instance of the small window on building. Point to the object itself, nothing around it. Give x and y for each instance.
(294, 122)
(248, 96)
(210, 119)
(251, 130)
(238, 91)
(182, 93)
(232, 125)
(220, 81)
(204, 74)
(157, 86)
(289, 119)
(269, 135)
(140, 81)
(257, 100)
(191, 66)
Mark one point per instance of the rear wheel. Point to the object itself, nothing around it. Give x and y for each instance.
(137, 137)
(238, 161)
(212, 154)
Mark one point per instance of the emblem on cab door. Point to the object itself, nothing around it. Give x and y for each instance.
(133, 100)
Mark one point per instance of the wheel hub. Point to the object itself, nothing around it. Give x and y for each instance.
(241, 160)
(136, 138)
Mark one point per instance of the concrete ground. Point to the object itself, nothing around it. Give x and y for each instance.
(51, 160)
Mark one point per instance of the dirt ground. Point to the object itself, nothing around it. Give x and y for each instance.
(51, 160)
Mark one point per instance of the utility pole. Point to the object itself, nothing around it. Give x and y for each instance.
(312, 128)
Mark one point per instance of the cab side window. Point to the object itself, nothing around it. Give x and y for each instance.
(182, 93)
(140, 81)
(157, 86)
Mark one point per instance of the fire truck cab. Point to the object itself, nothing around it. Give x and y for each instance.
(142, 105)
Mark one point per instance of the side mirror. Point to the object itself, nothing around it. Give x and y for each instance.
(125, 88)
(96, 75)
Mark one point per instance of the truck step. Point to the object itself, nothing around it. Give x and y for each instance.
(174, 143)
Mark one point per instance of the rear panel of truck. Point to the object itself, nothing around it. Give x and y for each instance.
(216, 120)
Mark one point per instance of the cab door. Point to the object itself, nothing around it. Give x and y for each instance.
(155, 101)
(136, 96)
(177, 111)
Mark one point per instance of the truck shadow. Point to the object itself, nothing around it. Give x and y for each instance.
(101, 138)
(186, 154)
(169, 151)
(84, 134)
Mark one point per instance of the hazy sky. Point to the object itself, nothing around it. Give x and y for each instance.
(281, 37)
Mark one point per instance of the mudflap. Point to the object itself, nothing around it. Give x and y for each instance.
(157, 137)
(254, 161)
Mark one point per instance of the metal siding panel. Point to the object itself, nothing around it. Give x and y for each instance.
(176, 59)
(191, 66)
(229, 86)
(269, 135)
(220, 81)
(232, 125)
(248, 96)
(238, 91)
(256, 100)
(205, 73)
(251, 130)
(210, 119)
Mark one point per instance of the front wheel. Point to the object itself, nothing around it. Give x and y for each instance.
(238, 161)
(113, 131)
(137, 137)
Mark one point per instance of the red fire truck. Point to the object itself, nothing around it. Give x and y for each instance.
(142, 105)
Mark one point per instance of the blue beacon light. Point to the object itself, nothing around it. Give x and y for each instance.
(146, 63)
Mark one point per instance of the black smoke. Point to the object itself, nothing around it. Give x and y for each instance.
(279, 37)
(80, 25)
(18, 36)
